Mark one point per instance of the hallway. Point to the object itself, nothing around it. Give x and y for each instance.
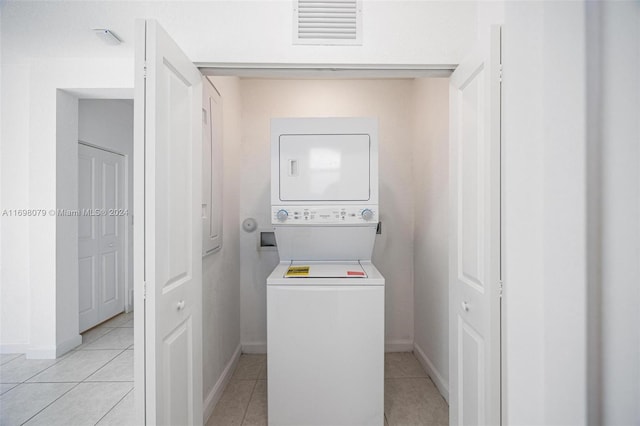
(90, 385)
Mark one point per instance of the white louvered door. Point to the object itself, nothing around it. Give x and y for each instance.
(329, 22)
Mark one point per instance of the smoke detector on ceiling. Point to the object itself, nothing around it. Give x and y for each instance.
(107, 36)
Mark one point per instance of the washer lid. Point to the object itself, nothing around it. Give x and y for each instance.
(325, 270)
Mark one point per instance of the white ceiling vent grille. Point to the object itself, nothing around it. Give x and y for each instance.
(328, 22)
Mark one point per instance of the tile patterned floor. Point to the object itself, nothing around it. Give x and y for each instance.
(91, 385)
(410, 397)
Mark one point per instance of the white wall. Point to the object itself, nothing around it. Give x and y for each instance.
(15, 309)
(221, 270)
(29, 146)
(48, 46)
(616, 108)
(431, 224)
(249, 31)
(544, 213)
(66, 256)
(390, 101)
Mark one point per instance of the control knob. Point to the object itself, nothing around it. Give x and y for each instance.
(367, 214)
(282, 215)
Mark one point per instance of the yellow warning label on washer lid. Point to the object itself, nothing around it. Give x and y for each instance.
(297, 271)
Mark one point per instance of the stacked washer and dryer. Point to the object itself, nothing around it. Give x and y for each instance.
(325, 299)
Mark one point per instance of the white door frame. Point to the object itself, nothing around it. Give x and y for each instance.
(355, 71)
(68, 112)
(285, 71)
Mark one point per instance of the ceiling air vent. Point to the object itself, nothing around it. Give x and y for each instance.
(328, 22)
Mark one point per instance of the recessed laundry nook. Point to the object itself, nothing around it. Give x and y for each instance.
(410, 122)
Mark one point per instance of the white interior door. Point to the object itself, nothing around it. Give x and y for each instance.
(168, 245)
(474, 327)
(101, 227)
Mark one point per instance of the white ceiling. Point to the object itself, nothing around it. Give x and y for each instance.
(233, 31)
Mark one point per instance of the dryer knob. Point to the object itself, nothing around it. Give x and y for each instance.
(282, 215)
(367, 214)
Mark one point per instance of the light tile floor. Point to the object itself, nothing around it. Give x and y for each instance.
(91, 385)
(410, 397)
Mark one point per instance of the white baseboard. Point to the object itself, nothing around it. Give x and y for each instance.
(216, 392)
(398, 346)
(431, 370)
(18, 348)
(53, 352)
(68, 344)
(41, 352)
(254, 348)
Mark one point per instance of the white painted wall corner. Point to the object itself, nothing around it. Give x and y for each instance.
(433, 373)
(215, 394)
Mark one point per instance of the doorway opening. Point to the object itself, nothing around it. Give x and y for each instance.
(412, 250)
(94, 203)
(105, 221)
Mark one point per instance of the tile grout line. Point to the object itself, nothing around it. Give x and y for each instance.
(244, 416)
(111, 329)
(27, 381)
(42, 371)
(12, 359)
(77, 348)
(114, 406)
(104, 365)
(46, 406)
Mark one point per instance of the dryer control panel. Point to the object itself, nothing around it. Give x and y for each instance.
(324, 215)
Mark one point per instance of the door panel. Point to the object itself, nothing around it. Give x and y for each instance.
(178, 375)
(112, 235)
(169, 178)
(109, 274)
(475, 229)
(110, 189)
(100, 235)
(87, 297)
(88, 240)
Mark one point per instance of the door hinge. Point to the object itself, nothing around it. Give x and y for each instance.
(500, 288)
(144, 70)
(144, 291)
(500, 72)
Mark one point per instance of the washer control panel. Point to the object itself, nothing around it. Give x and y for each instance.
(327, 215)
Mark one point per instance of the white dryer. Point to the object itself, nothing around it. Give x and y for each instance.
(325, 300)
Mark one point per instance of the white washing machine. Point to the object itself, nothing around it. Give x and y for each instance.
(325, 300)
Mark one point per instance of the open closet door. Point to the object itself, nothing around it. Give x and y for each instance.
(168, 230)
(475, 281)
